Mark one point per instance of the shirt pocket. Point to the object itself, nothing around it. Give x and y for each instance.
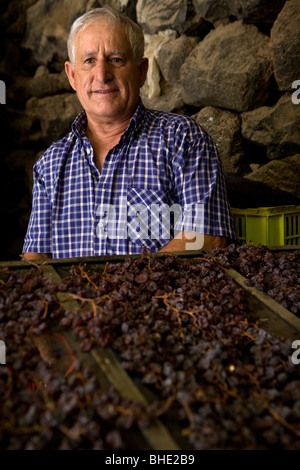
(150, 217)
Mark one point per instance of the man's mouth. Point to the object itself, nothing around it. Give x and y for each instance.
(104, 92)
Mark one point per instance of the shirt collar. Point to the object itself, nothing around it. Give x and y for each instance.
(80, 123)
(138, 117)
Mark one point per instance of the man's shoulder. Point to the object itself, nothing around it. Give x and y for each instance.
(169, 119)
(168, 116)
(57, 151)
(173, 123)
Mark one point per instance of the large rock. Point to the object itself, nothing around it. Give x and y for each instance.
(46, 84)
(255, 11)
(285, 44)
(277, 128)
(231, 68)
(169, 99)
(10, 60)
(244, 192)
(18, 92)
(211, 10)
(47, 30)
(24, 129)
(128, 7)
(155, 16)
(281, 175)
(172, 55)
(225, 129)
(153, 43)
(252, 11)
(13, 18)
(55, 114)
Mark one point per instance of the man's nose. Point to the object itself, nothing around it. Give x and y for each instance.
(103, 71)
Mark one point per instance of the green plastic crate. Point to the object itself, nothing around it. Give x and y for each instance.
(270, 226)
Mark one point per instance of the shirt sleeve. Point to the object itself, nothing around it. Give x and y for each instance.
(200, 186)
(38, 238)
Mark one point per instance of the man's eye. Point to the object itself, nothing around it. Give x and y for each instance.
(89, 60)
(117, 60)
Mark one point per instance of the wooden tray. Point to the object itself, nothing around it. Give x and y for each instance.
(103, 361)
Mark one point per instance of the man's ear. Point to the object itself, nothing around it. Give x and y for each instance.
(70, 72)
(143, 70)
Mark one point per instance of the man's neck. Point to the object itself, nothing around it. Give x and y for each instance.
(103, 138)
(97, 130)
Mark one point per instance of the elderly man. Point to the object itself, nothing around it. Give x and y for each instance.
(125, 176)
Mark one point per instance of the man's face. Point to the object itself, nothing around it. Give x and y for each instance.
(105, 76)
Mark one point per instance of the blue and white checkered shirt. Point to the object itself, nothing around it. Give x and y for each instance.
(163, 176)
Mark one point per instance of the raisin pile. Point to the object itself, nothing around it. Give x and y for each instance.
(181, 327)
(276, 275)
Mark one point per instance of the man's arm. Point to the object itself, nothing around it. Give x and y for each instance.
(194, 241)
(35, 256)
(37, 244)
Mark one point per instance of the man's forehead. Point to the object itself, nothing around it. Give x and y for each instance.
(101, 26)
(101, 31)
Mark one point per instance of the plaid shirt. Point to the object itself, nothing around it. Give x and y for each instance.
(163, 176)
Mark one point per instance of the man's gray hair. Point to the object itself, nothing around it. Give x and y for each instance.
(134, 31)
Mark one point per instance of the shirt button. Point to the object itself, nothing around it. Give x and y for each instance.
(101, 224)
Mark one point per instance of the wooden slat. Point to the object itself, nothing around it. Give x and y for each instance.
(94, 260)
(270, 304)
(117, 258)
(157, 434)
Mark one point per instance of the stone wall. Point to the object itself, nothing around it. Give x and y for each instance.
(233, 65)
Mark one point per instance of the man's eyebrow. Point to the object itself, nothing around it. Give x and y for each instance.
(117, 52)
(88, 53)
(109, 53)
